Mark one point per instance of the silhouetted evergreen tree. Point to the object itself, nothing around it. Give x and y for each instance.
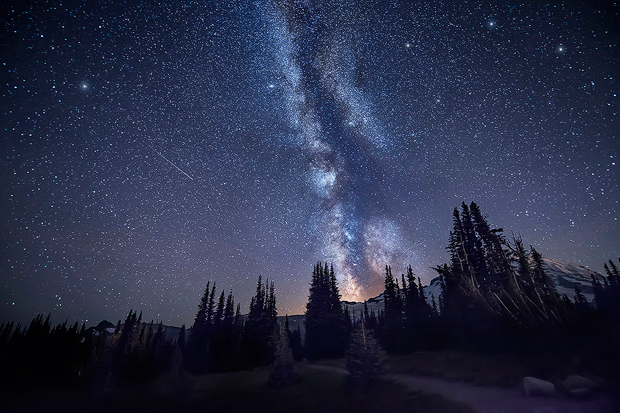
(542, 280)
(326, 326)
(224, 342)
(607, 294)
(580, 300)
(182, 341)
(481, 289)
(260, 324)
(283, 368)
(497, 262)
(197, 351)
(392, 324)
(365, 359)
(296, 344)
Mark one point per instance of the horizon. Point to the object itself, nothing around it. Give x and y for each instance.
(279, 314)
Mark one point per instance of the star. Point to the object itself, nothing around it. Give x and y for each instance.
(220, 151)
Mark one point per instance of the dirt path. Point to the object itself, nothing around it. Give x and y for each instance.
(504, 400)
(497, 399)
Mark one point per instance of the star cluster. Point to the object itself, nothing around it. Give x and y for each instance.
(150, 147)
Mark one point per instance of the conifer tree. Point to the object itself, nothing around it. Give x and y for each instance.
(219, 312)
(283, 368)
(260, 324)
(497, 262)
(434, 306)
(607, 295)
(481, 286)
(210, 307)
(229, 311)
(364, 359)
(392, 325)
(580, 300)
(181, 340)
(326, 326)
(296, 344)
(542, 280)
(197, 353)
(474, 251)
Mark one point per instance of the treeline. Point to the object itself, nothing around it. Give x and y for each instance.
(221, 339)
(39, 353)
(495, 297)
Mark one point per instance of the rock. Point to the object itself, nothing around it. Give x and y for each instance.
(538, 387)
(578, 382)
(580, 392)
(579, 386)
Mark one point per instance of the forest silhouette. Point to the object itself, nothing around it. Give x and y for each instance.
(496, 299)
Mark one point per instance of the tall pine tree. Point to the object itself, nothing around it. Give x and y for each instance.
(326, 327)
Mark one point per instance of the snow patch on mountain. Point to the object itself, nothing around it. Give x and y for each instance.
(566, 277)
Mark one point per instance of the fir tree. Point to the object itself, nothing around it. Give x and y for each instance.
(296, 344)
(364, 359)
(229, 311)
(283, 368)
(219, 312)
(392, 325)
(580, 300)
(260, 323)
(326, 326)
(197, 353)
(498, 265)
(542, 280)
(181, 341)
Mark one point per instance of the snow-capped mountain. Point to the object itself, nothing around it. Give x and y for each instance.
(355, 308)
(565, 277)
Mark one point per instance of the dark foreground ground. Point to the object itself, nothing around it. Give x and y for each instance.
(429, 382)
(317, 390)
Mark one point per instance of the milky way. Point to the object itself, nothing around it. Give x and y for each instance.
(344, 144)
(148, 147)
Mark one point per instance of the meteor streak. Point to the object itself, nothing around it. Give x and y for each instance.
(170, 162)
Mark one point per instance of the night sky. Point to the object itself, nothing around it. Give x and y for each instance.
(148, 147)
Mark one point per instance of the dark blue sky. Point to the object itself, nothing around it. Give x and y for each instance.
(148, 148)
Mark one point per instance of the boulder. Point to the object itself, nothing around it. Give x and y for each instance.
(578, 386)
(538, 387)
